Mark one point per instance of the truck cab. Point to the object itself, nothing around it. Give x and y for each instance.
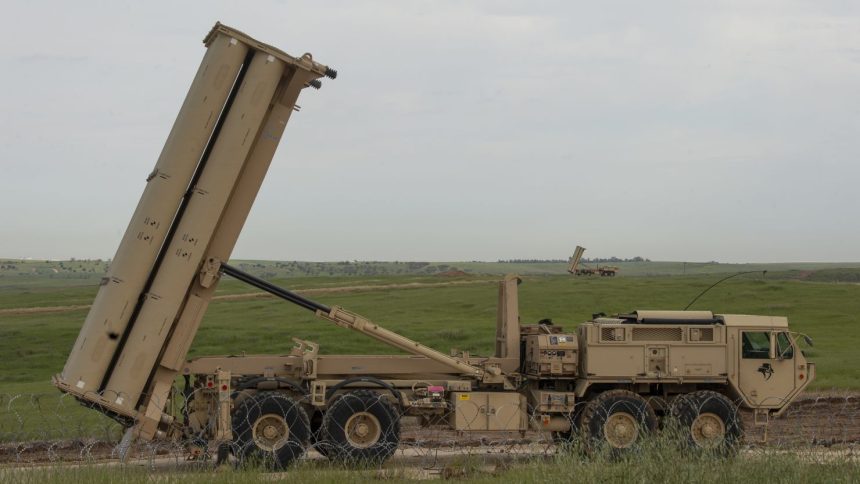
(767, 368)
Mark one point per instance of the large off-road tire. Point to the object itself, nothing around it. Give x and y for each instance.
(318, 441)
(361, 428)
(708, 420)
(270, 430)
(618, 420)
(575, 418)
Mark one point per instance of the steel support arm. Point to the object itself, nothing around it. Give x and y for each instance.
(273, 289)
(357, 323)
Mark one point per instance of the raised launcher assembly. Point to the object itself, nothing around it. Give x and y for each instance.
(196, 200)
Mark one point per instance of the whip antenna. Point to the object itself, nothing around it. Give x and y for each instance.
(721, 280)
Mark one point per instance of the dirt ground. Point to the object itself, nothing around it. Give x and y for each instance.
(816, 422)
(820, 419)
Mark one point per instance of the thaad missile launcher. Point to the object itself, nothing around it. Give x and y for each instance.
(608, 382)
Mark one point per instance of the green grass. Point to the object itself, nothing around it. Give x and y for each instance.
(35, 346)
(658, 462)
(41, 295)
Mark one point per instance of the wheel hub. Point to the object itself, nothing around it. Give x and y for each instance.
(708, 430)
(270, 432)
(621, 430)
(363, 430)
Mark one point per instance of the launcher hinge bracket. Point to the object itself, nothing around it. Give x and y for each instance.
(210, 272)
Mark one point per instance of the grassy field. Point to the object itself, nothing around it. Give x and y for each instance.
(35, 345)
(461, 315)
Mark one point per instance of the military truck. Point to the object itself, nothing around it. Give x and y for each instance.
(576, 269)
(608, 382)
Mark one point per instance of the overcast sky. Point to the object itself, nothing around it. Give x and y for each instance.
(459, 131)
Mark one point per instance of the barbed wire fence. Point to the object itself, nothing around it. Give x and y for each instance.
(367, 428)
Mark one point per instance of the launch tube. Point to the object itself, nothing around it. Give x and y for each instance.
(194, 230)
(133, 263)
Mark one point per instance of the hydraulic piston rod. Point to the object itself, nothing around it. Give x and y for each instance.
(353, 321)
(273, 289)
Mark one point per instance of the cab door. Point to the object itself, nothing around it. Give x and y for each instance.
(766, 374)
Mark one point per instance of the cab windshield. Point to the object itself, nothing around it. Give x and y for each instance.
(784, 348)
(756, 345)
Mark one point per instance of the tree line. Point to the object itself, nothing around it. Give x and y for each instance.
(586, 260)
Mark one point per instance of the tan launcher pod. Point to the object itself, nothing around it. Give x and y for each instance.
(195, 203)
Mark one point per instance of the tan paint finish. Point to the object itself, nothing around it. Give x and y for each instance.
(185, 252)
(575, 259)
(131, 266)
(643, 354)
(328, 366)
(508, 324)
(551, 355)
(304, 63)
(230, 225)
(355, 322)
(160, 336)
(486, 411)
(768, 382)
(678, 315)
(688, 351)
(754, 321)
(696, 353)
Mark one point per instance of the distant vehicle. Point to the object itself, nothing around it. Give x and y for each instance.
(575, 269)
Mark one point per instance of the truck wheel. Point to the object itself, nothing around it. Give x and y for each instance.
(270, 430)
(362, 428)
(708, 420)
(318, 441)
(575, 417)
(617, 419)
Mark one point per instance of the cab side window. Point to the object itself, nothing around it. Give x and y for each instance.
(756, 345)
(784, 349)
